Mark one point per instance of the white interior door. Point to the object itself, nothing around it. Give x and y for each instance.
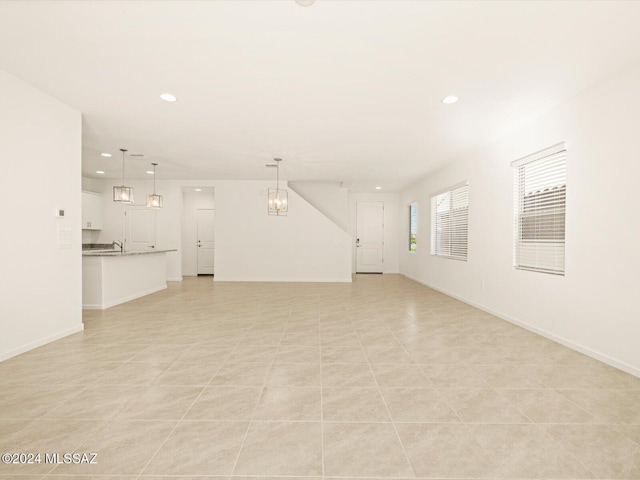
(205, 241)
(140, 228)
(369, 236)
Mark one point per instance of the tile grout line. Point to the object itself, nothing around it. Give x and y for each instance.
(361, 307)
(183, 415)
(321, 400)
(549, 436)
(103, 422)
(531, 423)
(402, 345)
(537, 425)
(462, 422)
(255, 407)
(559, 445)
(188, 409)
(379, 390)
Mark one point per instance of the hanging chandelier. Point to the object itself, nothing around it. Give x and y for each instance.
(123, 194)
(278, 203)
(154, 200)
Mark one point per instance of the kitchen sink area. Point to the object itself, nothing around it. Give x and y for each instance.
(111, 277)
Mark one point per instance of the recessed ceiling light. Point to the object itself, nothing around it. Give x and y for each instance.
(149, 172)
(105, 154)
(449, 99)
(378, 188)
(99, 172)
(305, 3)
(168, 97)
(198, 189)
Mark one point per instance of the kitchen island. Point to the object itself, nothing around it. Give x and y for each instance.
(112, 277)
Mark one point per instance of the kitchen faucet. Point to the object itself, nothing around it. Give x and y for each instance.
(116, 242)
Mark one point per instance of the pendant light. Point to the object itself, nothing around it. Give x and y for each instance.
(123, 194)
(153, 200)
(278, 202)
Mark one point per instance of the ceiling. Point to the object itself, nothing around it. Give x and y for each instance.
(346, 91)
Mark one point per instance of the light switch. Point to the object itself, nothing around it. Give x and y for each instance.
(65, 235)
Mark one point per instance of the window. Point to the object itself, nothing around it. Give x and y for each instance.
(540, 190)
(450, 222)
(413, 226)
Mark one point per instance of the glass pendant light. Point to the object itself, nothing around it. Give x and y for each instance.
(123, 194)
(278, 199)
(153, 200)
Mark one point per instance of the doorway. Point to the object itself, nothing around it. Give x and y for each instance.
(198, 231)
(205, 241)
(369, 237)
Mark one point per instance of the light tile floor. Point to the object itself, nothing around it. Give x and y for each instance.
(382, 378)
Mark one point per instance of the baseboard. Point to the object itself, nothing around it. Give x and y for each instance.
(122, 300)
(603, 357)
(381, 273)
(176, 279)
(217, 278)
(91, 306)
(39, 343)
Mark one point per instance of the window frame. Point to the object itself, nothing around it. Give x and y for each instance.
(413, 227)
(539, 215)
(457, 229)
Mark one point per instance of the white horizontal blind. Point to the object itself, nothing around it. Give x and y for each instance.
(540, 205)
(450, 223)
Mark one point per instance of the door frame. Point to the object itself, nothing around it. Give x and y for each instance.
(198, 249)
(193, 198)
(356, 248)
(128, 225)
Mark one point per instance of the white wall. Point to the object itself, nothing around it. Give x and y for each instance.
(192, 201)
(91, 185)
(391, 228)
(594, 308)
(40, 155)
(328, 197)
(250, 245)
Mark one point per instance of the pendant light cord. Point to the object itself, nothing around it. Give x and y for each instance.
(123, 150)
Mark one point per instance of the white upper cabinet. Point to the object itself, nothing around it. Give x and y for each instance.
(91, 211)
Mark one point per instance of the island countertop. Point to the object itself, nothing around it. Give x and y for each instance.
(116, 253)
(110, 277)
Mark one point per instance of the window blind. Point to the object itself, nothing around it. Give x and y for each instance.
(450, 223)
(539, 211)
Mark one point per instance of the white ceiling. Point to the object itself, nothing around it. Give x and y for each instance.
(341, 90)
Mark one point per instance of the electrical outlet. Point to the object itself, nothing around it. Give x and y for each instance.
(482, 284)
